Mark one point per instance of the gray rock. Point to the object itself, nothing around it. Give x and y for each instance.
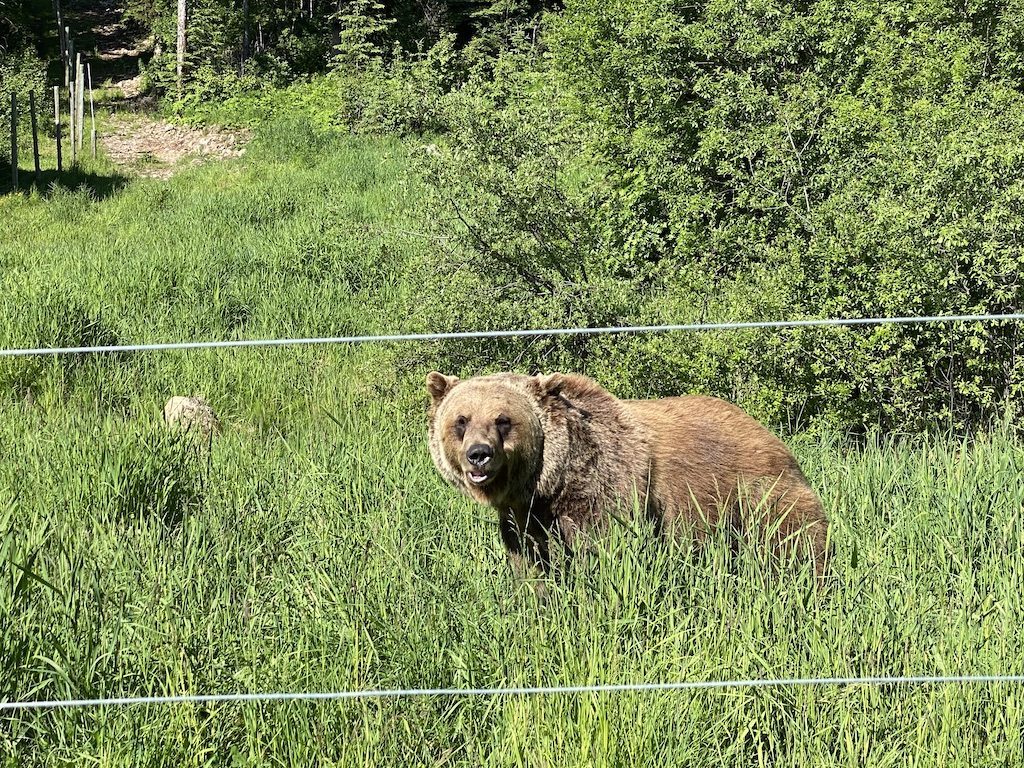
(191, 413)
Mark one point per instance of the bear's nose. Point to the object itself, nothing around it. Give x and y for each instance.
(479, 454)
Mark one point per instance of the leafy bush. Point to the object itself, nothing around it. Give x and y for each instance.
(526, 251)
(406, 94)
(668, 163)
(20, 74)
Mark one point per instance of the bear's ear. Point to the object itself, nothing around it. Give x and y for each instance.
(550, 386)
(439, 385)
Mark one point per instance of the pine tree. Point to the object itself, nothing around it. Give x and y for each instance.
(362, 29)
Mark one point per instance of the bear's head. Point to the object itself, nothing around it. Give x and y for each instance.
(487, 434)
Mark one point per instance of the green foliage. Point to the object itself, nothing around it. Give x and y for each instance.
(755, 162)
(653, 162)
(233, 48)
(511, 210)
(19, 74)
(404, 95)
(361, 34)
(311, 545)
(397, 95)
(378, 48)
(502, 26)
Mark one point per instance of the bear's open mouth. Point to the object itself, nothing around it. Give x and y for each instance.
(477, 477)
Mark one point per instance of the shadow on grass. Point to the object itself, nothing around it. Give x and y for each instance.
(100, 186)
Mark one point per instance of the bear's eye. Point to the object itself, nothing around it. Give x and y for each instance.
(504, 424)
(460, 425)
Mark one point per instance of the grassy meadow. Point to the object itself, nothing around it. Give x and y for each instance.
(311, 546)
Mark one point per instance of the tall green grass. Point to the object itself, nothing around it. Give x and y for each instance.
(311, 546)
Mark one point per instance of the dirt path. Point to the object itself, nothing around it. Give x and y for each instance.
(114, 45)
(136, 140)
(157, 149)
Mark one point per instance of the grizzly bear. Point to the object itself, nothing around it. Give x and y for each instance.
(558, 455)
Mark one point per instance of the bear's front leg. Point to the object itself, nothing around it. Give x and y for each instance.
(526, 553)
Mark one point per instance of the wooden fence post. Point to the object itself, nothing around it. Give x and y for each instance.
(71, 57)
(14, 140)
(80, 106)
(35, 133)
(62, 40)
(71, 121)
(92, 109)
(56, 123)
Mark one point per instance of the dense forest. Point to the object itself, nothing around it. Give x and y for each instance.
(608, 162)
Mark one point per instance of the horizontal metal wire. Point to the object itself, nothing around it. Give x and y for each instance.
(287, 342)
(527, 691)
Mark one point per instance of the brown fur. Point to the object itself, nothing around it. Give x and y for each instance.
(567, 454)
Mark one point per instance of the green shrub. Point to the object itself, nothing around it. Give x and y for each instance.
(669, 163)
(20, 74)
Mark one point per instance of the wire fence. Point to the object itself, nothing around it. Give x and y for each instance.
(13, 706)
(534, 332)
(396, 693)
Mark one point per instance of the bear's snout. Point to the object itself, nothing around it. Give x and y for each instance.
(479, 454)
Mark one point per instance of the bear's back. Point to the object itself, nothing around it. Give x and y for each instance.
(703, 449)
(712, 431)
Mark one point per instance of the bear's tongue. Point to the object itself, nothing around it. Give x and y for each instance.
(477, 477)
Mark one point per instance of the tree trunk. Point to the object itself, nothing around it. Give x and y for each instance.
(182, 15)
(245, 34)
